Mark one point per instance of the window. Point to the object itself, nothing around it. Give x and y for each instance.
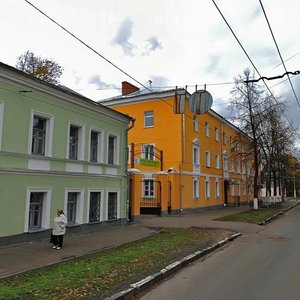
(112, 208)
(1, 120)
(231, 165)
(38, 136)
(217, 161)
(232, 188)
(225, 163)
(231, 142)
(207, 158)
(72, 207)
(245, 186)
(206, 129)
(149, 118)
(95, 207)
(95, 146)
(207, 188)
(148, 188)
(224, 138)
(195, 124)
(76, 144)
(239, 188)
(238, 166)
(217, 187)
(41, 134)
(196, 188)
(73, 142)
(112, 150)
(148, 151)
(217, 134)
(35, 210)
(196, 155)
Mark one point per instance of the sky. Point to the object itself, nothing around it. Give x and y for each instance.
(168, 42)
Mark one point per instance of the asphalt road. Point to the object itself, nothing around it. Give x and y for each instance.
(264, 265)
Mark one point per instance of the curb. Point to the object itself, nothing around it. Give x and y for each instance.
(143, 284)
(277, 214)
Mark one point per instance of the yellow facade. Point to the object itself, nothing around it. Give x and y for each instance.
(198, 155)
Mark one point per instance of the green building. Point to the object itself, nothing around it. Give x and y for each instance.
(58, 149)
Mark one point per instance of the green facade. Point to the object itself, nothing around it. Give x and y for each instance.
(98, 184)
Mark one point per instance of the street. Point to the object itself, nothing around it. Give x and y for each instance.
(263, 265)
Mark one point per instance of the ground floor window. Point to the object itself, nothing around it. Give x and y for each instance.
(35, 210)
(207, 188)
(148, 188)
(196, 188)
(95, 207)
(112, 208)
(72, 207)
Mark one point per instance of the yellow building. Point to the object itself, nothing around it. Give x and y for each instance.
(181, 162)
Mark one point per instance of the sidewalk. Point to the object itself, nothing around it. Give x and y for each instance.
(27, 256)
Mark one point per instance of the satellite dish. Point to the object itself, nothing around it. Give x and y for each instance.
(200, 102)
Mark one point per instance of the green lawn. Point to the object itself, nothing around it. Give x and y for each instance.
(251, 216)
(99, 274)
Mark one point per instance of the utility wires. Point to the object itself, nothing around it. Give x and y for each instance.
(262, 7)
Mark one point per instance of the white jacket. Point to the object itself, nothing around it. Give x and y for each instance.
(59, 225)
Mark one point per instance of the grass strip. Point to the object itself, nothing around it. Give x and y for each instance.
(97, 275)
(250, 216)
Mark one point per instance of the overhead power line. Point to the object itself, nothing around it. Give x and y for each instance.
(245, 52)
(283, 63)
(109, 61)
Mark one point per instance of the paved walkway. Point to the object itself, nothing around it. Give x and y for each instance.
(27, 256)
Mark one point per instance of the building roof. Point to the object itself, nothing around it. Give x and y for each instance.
(26, 81)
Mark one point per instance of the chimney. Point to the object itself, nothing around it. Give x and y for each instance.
(128, 88)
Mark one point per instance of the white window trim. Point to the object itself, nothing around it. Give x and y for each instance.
(195, 124)
(143, 152)
(81, 139)
(150, 126)
(117, 147)
(207, 159)
(196, 194)
(196, 145)
(46, 206)
(49, 132)
(232, 189)
(217, 134)
(217, 161)
(102, 216)
(1, 121)
(79, 206)
(143, 188)
(217, 187)
(206, 129)
(100, 144)
(207, 188)
(106, 203)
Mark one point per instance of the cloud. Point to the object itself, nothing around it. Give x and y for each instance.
(96, 80)
(123, 36)
(152, 45)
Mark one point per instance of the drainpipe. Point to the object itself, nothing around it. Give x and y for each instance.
(182, 159)
(126, 170)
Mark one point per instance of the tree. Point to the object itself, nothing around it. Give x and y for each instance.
(246, 103)
(42, 68)
(260, 116)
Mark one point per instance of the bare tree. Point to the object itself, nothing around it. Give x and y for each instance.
(245, 104)
(42, 68)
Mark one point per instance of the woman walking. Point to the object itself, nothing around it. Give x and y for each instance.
(59, 229)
